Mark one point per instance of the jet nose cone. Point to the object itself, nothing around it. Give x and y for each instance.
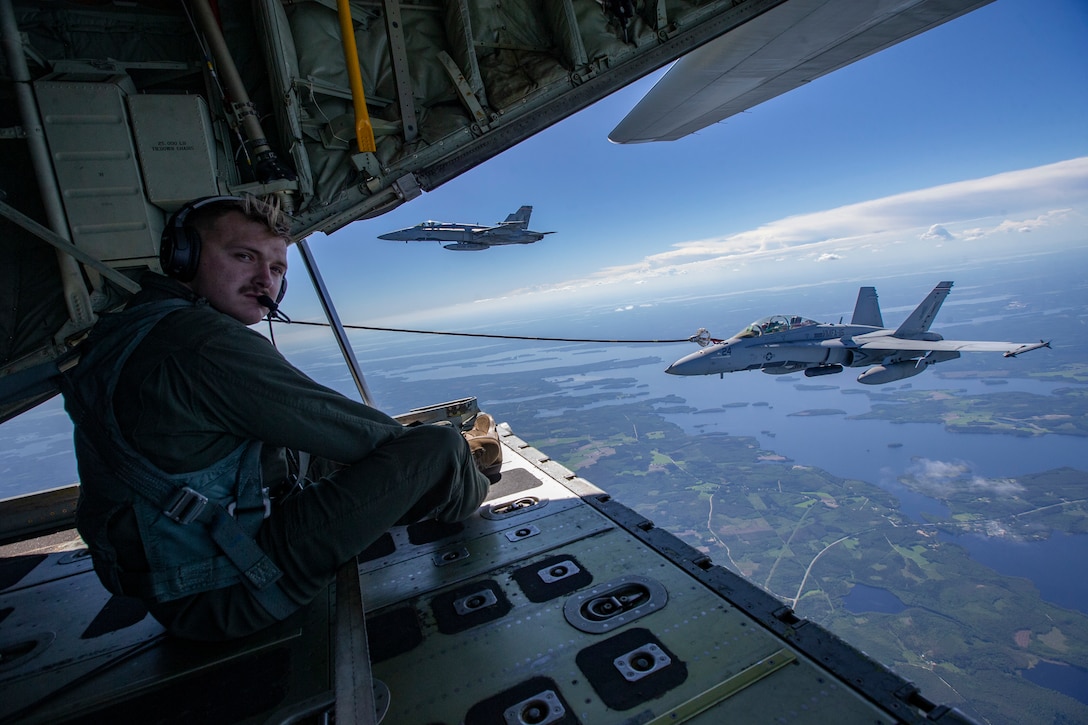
(693, 364)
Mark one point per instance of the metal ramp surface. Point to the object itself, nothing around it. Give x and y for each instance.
(552, 604)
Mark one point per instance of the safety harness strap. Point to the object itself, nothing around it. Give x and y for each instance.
(184, 505)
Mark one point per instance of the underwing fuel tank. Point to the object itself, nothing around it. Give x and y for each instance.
(467, 246)
(880, 374)
(782, 369)
(822, 370)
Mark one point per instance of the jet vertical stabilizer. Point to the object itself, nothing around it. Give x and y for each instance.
(867, 309)
(919, 321)
(520, 218)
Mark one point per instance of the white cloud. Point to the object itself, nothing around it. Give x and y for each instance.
(1027, 225)
(937, 232)
(941, 479)
(972, 210)
(828, 257)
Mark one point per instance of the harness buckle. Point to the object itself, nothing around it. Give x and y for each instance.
(186, 506)
(265, 499)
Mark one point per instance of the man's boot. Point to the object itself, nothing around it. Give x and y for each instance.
(483, 441)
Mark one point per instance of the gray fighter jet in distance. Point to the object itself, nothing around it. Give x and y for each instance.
(471, 237)
(781, 344)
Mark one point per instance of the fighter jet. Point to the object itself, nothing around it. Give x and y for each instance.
(782, 344)
(471, 237)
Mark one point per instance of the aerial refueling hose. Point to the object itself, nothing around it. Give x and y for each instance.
(490, 335)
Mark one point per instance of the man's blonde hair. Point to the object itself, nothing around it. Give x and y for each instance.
(266, 211)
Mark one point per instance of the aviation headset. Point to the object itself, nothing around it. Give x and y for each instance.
(179, 248)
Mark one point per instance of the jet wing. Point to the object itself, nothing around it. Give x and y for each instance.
(1011, 349)
(785, 47)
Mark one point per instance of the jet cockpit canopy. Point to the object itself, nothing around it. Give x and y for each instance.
(774, 323)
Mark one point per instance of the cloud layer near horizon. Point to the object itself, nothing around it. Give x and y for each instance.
(1014, 202)
(1013, 213)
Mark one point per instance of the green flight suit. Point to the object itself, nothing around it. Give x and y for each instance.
(185, 406)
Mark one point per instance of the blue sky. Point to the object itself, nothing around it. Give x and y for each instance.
(971, 139)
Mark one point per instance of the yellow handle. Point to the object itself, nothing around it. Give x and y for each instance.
(364, 132)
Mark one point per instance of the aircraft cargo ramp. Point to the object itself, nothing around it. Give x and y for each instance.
(553, 604)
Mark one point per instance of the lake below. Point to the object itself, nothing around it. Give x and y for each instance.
(1066, 679)
(863, 598)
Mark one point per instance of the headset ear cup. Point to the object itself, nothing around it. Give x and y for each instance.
(167, 246)
(179, 247)
(188, 265)
(283, 290)
(186, 254)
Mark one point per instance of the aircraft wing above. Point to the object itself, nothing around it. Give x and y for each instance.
(887, 342)
(785, 47)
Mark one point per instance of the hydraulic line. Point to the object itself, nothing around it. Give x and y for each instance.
(266, 165)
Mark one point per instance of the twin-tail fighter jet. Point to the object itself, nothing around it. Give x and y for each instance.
(472, 237)
(781, 344)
